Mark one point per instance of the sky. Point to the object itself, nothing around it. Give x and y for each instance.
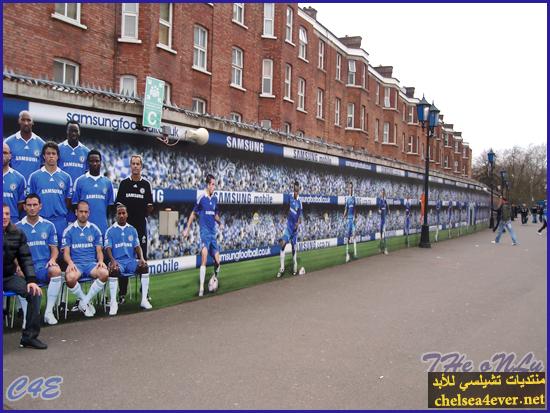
(484, 65)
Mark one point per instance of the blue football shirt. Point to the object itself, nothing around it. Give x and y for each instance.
(26, 156)
(74, 161)
(294, 213)
(98, 192)
(83, 242)
(207, 208)
(53, 190)
(39, 238)
(13, 185)
(122, 240)
(350, 204)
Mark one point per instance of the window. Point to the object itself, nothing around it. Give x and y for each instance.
(410, 146)
(288, 81)
(302, 47)
(200, 39)
(411, 114)
(446, 139)
(301, 94)
(235, 117)
(286, 128)
(65, 72)
(395, 133)
(69, 11)
(266, 123)
(351, 116)
(238, 13)
(464, 152)
(386, 97)
(404, 112)
(300, 133)
(364, 80)
(167, 97)
(378, 93)
(320, 103)
(386, 136)
(446, 164)
(130, 18)
(199, 106)
(237, 67)
(337, 104)
(338, 66)
(362, 117)
(128, 85)
(165, 25)
(463, 169)
(456, 147)
(456, 166)
(351, 72)
(376, 130)
(267, 77)
(321, 64)
(288, 26)
(404, 143)
(269, 14)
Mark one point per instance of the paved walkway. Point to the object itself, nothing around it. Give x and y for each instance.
(348, 337)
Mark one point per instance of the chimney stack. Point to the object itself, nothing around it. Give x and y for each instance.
(311, 12)
(409, 92)
(353, 42)
(385, 71)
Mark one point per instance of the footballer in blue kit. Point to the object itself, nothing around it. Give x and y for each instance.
(123, 249)
(83, 253)
(95, 189)
(25, 146)
(290, 235)
(54, 187)
(350, 212)
(13, 185)
(42, 241)
(206, 209)
(383, 210)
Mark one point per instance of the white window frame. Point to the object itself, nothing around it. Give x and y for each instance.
(320, 98)
(321, 61)
(352, 67)
(65, 18)
(198, 106)
(446, 164)
(200, 50)
(267, 77)
(410, 145)
(411, 114)
(238, 13)
(288, 25)
(302, 44)
(167, 93)
(66, 63)
(456, 166)
(456, 147)
(236, 117)
(124, 14)
(287, 128)
(376, 130)
(364, 80)
(395, 133)
(386, 133)
(237, 65)
(362, 117)
(301, 94)
(266, 123)
(404, 112)
(377, 93)
(338, 66)
(350, 118)
(288, 82)
(129, 91)
(387, 100)
(337, 105)
(167, 23)
(269, 18)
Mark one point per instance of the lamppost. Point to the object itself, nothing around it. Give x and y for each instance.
(491, 159)
(504, 181)
(427, 114)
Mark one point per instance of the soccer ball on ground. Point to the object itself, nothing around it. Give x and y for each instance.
(213, 284)
(302, 271)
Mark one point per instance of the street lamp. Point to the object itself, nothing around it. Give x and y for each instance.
(491, 159)
(427, 114)
(504, 182)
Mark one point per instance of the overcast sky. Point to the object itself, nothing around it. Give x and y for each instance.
(484, 65)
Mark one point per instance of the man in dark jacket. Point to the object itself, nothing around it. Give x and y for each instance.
(16, 248)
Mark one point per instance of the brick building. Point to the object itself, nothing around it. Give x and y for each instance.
(259, 63)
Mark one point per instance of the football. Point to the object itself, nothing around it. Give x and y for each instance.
(213, 284)
(302, 271)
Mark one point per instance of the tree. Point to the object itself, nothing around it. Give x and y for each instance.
(526, 168)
